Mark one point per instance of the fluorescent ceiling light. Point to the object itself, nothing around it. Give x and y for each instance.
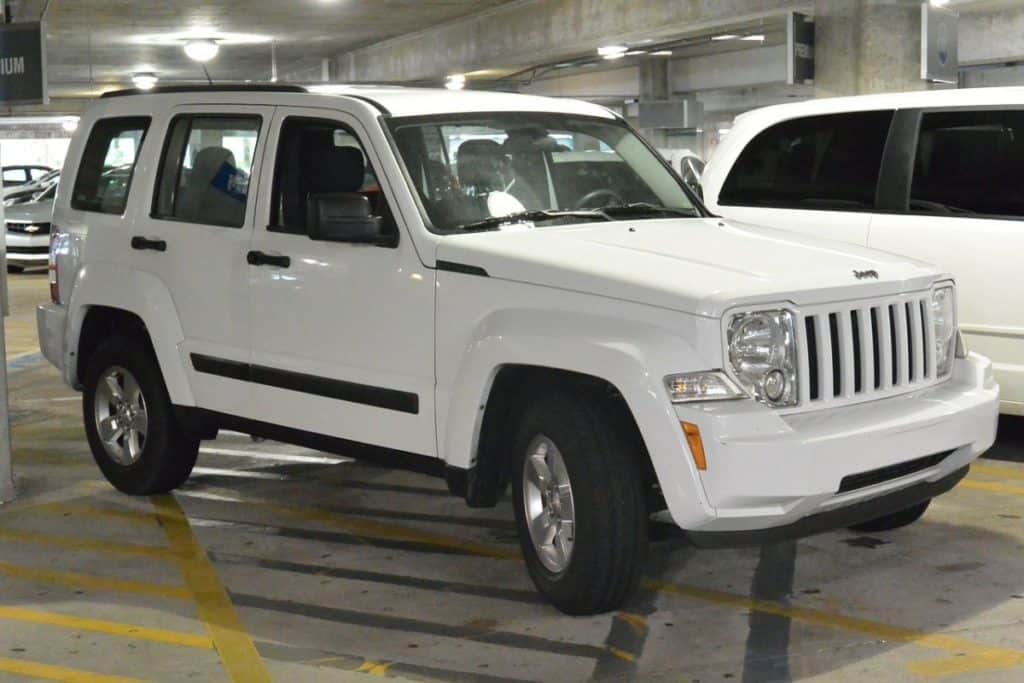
(724, 131)
(201, 50)
(145, 81)
(725, 36)
(610, 50)
(70, 124)
(455, 82)
(662, 53)
(612, 57)
(756, 36)
(634, 53)
(940, 3)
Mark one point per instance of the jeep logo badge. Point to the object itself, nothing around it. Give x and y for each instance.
(866, 274)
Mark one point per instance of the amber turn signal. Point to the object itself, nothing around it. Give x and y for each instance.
(696, 445)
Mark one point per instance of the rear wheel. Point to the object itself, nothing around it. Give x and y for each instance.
(895, 520)
(579, 502)
(130, 423)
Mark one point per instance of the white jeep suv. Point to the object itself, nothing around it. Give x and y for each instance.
(495, 289)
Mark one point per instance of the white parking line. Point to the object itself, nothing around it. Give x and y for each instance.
(278, 457)
(239, 474)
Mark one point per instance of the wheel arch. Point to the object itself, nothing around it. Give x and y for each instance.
(111, 300)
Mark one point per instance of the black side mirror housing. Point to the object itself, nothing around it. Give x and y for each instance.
(345, 217)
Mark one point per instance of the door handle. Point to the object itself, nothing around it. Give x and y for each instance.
(259, 258)
(144, 243)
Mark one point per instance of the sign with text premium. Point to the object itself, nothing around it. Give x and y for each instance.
(22, 64)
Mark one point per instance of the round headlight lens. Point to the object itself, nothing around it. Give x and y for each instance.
(762, 355)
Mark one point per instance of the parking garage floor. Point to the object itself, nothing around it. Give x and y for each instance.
(278, 563)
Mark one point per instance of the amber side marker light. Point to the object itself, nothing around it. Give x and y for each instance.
(696, 445)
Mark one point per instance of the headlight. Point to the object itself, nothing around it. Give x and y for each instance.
(762, 356)
(944, 327)
(701, 386)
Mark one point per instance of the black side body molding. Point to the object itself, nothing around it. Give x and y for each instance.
(463, 268)
(833, 519)
(389, 399)
(376, 455)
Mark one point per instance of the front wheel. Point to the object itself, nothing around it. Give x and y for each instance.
(895, 520)
(130, 423)
(579, 503)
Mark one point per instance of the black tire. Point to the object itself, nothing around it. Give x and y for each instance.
(167, 454)
(611, 522)
(14, 270)
(895, 520)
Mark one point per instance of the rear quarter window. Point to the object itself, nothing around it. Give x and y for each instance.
(818, 162)
(108, 164)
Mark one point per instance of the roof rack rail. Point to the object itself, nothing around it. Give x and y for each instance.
(226, 87)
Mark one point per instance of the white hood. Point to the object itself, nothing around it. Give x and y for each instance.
(701, 266)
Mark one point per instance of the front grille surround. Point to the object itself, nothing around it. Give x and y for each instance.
(864, 350)
(19, 227)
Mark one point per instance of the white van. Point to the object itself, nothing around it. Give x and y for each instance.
(932, 175)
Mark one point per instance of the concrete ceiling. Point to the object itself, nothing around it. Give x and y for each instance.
(94, 45)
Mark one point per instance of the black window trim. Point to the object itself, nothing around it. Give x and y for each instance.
(920, 112)
(154, 212)
(280, 229)
(789, 206)
(131, 179)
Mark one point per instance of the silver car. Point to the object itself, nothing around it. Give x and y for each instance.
(28, 232)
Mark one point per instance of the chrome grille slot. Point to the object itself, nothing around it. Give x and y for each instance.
(866, 351)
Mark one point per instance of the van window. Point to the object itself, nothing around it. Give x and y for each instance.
(206, 170)
(818, 162)
(316, 156)
(107, 165)
(970, 162)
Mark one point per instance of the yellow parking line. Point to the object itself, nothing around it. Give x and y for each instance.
(997, 470)
(72, 543)
(984, 657)
(57, 673)
(90, 582)
(93, 512)
(110, 628)
(236, 650)
(992, 487)
(374, 668)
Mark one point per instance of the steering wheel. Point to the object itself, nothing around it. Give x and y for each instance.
(589, 200)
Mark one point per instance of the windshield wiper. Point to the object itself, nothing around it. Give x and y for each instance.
(645, 209)
(531, 217)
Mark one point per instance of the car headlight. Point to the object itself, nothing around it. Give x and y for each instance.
(944, 328)
(762, 356)
(702, 386)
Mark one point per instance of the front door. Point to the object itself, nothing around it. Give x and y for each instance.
(342, 333)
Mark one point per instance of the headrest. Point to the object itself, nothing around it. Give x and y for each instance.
(478, 164)
(332, 169)
(209, 161)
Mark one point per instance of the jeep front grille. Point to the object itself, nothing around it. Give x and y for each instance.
(856, 352)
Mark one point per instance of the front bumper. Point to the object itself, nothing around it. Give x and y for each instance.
(769, 471)
(28, 251)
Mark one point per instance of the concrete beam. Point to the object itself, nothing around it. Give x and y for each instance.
(531, 32)
(987, 38)
(739, 69)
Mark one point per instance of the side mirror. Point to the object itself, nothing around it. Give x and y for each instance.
(345, 217)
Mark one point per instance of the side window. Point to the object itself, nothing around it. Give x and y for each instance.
(206, 170)
(820, 162)
(318, 157)
(107, 165)
(970, 162)
(37, 173)
(14, 176)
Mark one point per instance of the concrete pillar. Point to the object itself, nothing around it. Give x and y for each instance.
(655, 86)
(867, 46)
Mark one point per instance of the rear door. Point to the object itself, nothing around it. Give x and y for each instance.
(965, 213)
(196, 236)
(816, 175)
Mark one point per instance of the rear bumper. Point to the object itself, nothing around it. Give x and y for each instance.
(772, 475)
(51, 321)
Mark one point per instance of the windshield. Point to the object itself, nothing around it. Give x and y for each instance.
(469, 168)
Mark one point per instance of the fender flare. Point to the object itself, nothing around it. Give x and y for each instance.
(599, 347)
(142, 294)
